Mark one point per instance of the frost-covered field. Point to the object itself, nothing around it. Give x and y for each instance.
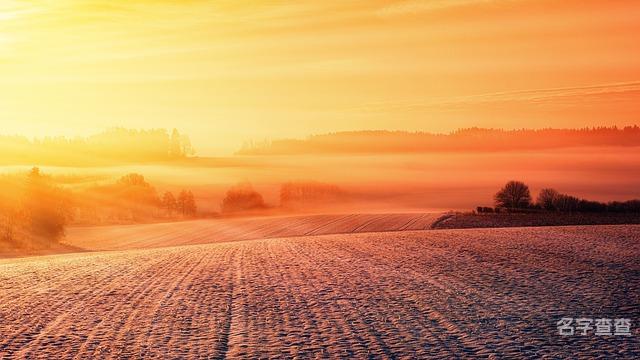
(124, 237)
(410, 294)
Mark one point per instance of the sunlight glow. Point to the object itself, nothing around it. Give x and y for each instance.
(232, 71)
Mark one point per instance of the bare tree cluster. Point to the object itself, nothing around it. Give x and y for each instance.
(184, 205)
(515, 195)
(552, 200)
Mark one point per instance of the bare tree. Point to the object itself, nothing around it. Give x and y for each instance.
(566, 203)
(186, 203)
(169, 203)
(547, 199)
(514, 195)
(190, 207)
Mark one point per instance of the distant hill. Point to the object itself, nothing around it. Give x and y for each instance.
(472, 139)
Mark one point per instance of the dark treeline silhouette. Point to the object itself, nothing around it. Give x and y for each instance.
(516, 197)
(552, 200)
(472, 139)
(117, 145)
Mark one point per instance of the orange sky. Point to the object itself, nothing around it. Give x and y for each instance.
(228, 71)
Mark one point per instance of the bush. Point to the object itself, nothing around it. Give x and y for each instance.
(241, 198)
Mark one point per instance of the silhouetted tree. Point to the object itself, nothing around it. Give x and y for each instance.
(48, 208)
(190, 205)
(135, 190)
(129, 198)
(514, 195)
(591, 206)
(179, 145)
(624, 206)
(546, 199)
(186, 147)
(133, 179)
(242, 197)
(566, 203)
(186, 203)
(169, 203)
(175, 147)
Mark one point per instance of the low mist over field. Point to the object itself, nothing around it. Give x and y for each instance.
(440, 179)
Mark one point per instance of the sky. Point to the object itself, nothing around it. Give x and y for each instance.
(229, 71)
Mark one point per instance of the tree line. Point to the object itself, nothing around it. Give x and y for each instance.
(131, 199)
(35, 210)
(470, 139)
(293, 195)
(117, 145)
(184, 204)
(516, 196)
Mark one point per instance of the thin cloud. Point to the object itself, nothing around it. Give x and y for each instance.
(547, 95)
(420, 6)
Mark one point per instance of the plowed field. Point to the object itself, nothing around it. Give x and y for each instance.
(493, 293)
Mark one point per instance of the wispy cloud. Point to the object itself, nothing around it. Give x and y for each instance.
(539, 95)
(419, 6)
(531, 96)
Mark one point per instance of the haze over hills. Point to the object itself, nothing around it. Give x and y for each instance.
(112, 146)
(120, 146)
(471, 140)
